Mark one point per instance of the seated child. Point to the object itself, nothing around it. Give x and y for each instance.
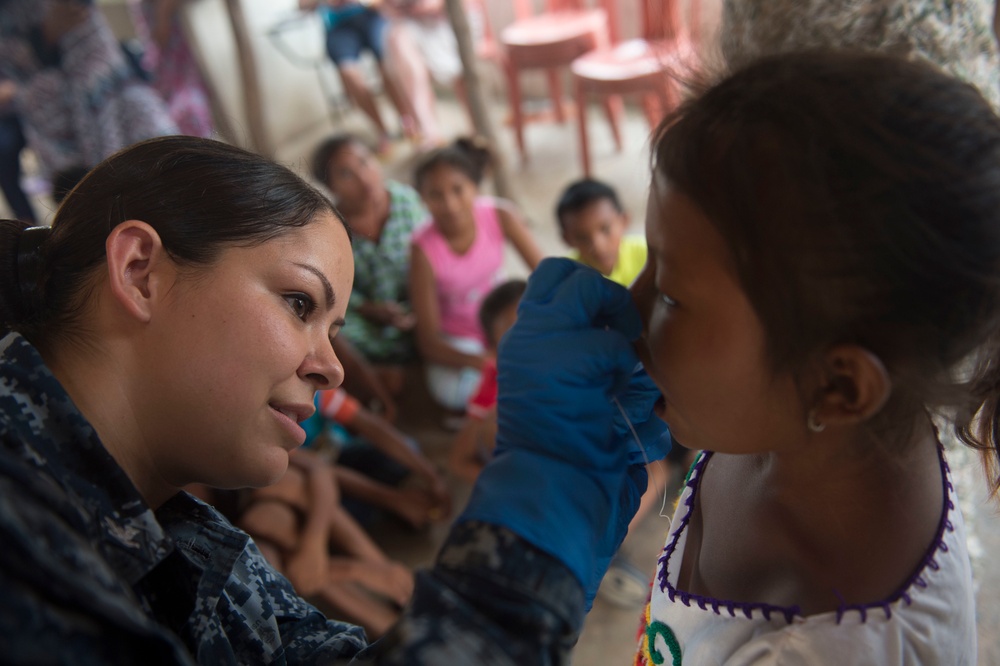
(593, 223)
(473, 444)
(455, 261)
(418, 506)
(301, 528)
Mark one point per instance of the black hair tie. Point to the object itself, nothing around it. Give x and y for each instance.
(29, 267)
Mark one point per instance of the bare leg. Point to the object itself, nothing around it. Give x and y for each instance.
(389, 579)
(355, 605)
(356, 88)
(406, 69)
(271, 521)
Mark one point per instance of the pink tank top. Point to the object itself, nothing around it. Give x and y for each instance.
(463, 280)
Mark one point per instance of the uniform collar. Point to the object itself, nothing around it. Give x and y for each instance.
(54, 437)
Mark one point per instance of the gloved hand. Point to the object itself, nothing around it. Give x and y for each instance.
(637, 403)
(559, 477)
(649, 442)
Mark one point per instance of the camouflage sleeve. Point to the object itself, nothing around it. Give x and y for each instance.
(492, 598)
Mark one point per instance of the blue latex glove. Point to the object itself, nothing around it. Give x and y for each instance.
(560, 476)
(637, 403)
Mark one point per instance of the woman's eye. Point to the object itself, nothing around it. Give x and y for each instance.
(301, 305)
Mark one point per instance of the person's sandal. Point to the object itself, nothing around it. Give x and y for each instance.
(624, 585)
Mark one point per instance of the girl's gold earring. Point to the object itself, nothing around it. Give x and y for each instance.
(813, 424)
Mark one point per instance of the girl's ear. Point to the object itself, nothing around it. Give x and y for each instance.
(137, 263)
(855, 388)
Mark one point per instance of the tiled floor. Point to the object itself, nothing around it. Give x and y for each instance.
(608, 636)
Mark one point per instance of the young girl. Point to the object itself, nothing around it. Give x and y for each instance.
(302, 529)
(454, 263)
(822, 297)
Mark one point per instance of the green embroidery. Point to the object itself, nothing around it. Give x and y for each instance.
(691, 471)
(654, 629)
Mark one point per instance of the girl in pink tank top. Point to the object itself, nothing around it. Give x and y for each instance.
(456, 259)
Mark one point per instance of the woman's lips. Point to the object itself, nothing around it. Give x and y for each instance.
(296, 431)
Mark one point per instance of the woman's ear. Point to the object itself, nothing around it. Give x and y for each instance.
(136, 267)
(856, 386)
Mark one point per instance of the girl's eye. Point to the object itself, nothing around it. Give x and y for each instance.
(301, 305)
(666, 300)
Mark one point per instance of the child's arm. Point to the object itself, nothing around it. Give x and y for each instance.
(423, 293)
(307, 567)
(464, 461)
(391, 442)
(363, 380)
(515, 231)
(412, 505)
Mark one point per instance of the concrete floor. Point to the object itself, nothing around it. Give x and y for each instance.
(609, 634)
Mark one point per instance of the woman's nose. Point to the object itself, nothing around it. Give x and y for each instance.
(322, 368)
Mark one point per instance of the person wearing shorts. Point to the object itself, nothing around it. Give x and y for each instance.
(352, 29)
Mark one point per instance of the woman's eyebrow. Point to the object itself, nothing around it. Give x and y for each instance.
(327, 288)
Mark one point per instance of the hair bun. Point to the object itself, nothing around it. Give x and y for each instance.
(30, 269)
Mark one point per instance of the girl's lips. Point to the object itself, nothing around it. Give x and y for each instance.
(660, 408)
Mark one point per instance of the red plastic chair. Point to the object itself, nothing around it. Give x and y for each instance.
(549, 40)
(640, 66)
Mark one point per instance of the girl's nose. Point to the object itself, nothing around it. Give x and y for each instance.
(643, 291)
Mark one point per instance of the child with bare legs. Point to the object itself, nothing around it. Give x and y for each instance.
(302, 529)
(455, 261)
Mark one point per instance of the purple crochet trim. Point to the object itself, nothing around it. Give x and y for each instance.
(718, 606)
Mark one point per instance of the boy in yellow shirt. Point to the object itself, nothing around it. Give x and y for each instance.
(594, 223)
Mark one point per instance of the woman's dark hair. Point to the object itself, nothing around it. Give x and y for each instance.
(580, 194)
(860, 198)
(470, 155)
(499, 299)
(329, 149)
(200, 196)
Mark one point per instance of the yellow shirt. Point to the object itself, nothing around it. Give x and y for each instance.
(631, 259)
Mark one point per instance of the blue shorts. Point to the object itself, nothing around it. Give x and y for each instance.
(355, 31)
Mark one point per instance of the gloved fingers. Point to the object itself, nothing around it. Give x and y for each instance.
(603, 356)
(599, 302)
(563, 294)
(640, 396)
(656, 439)
(638, 402)
(656, 444)
(580, 359)
(639, 478)
(547, 277)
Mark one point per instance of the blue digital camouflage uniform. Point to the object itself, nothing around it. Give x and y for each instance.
(90, 574)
